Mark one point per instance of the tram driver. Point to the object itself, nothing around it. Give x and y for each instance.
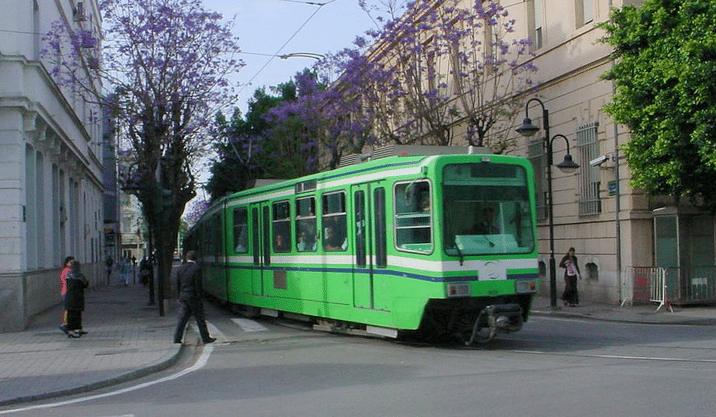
(486, 224)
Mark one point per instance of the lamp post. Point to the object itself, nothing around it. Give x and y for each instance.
(567, 166)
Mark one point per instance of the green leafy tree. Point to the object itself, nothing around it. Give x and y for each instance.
(232, 167)
(269, 142)
(665, 76)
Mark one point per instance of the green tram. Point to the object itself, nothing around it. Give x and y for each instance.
(441, 245)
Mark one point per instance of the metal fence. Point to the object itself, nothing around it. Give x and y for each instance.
(668, 286)
(643, 285)
(693, 285)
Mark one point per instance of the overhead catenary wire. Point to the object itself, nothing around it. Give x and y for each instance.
(278, 52)
(311, 3)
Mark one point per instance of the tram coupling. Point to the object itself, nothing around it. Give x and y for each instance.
(496, 318)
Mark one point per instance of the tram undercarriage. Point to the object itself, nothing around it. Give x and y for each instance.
(465, 320)
(473, 320)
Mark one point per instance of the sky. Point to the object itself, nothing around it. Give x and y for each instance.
(268, 28)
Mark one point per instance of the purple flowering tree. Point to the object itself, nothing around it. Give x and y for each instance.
(354, 103)
(320, 125)
(167, 62)
(382, 11)
(437, 70)
(489, 70)
(295, 129)
(194, 212)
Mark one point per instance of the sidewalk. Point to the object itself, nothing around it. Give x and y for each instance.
(640, 313)
(127, 339)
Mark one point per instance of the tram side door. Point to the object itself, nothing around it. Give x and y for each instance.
(260, 245)
(363, 247)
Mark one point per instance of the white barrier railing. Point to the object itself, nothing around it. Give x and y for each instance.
(645, 285)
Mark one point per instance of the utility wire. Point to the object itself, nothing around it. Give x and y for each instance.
(312, 3)
(243, 87)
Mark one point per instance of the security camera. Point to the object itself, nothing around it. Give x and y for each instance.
(599, 160)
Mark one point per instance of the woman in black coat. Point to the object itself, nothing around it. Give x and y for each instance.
(75, 300)
(570, 296)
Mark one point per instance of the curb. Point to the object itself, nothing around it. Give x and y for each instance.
(680, 322)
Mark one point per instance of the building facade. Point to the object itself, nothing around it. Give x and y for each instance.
(595, 210)
(51, 189)
(134, 228)
(618, 232)
(631, 247)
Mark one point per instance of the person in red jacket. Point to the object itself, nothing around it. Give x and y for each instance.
(63, 290)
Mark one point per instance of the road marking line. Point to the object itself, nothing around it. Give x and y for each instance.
(213, 331)
(200, 363)
(249, 325)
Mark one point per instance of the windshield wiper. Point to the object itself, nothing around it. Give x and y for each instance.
(492, 245)
(459, 253)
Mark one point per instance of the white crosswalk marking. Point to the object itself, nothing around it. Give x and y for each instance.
(213, 331)
(249, 325)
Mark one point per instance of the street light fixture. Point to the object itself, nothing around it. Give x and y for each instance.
(317, 57)
(567, 166)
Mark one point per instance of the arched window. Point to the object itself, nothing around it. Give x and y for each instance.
(591, 271)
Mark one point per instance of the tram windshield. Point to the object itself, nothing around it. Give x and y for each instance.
(486, 210)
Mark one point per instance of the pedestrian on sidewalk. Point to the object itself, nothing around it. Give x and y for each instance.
(570, 296)
(63, 290)
(108, 264)
(75, 300)
(124, 268)
(145, 270)
(190, 299)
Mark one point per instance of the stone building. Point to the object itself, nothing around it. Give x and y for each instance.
(623, 238)
(51, 188)
(631, 247)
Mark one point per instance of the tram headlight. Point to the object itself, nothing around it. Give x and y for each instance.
(525, 286)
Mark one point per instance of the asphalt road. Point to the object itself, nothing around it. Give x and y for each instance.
(553, 367)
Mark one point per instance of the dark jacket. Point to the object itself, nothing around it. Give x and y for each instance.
(75, 297)
(189, 281)
(563, 264)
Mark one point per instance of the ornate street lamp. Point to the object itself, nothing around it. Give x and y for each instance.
(567, 166)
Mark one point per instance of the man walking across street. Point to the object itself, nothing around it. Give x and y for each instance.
(190, 299)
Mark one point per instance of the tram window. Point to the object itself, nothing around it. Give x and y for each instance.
(486, 210)
(206, 238)
(218, 238)
(381, 252)
(360, 227)
(334, 222)
(413, 224)
(210, 236)
(241, 230)
(255, 232)
(265, 239)
(281, 226)
(306, 224)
